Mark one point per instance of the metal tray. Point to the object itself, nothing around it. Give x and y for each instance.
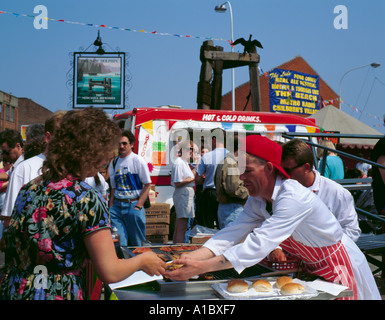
(275, 294)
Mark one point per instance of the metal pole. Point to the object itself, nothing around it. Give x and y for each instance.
(373, 65)
(232, 50)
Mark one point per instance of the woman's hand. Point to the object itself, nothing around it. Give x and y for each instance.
(189, 269)
(151, 263)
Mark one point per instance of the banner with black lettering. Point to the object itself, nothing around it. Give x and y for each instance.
(293, 92)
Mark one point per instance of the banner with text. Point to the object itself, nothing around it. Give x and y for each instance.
(293, 92)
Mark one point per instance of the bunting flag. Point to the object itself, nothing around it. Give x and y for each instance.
(227, 125)
(248, 127)
(369, 115)
(116, 28)
(291, 127)
(270, 127)
(323, 103)
(270, 130)
(148, 126)
(310, 129)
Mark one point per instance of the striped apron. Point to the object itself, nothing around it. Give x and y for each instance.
(331, 263)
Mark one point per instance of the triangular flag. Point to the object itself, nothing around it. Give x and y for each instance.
(227, 125)
(249, 127)
(148, 126)
(291, 127)
(310, 129)
(270, 127)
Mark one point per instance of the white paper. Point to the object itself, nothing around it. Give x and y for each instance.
(333, 288)
(136, 278)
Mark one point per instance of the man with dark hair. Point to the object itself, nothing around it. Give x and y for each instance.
(11, 144)
(205, 172)
(298, 162)
(130, 185)
(35, 140)
(38, 137)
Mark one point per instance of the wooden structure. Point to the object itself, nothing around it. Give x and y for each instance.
(105, 83)
(214, 61)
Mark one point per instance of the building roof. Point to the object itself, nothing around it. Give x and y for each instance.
(297, 63)
(330, 118)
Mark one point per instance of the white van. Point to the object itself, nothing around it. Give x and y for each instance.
(158, 130)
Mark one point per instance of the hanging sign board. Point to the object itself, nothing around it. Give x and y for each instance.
(99, 80)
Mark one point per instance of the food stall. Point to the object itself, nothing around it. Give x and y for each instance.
(213, 285)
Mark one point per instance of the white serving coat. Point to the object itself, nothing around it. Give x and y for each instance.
(297, 212)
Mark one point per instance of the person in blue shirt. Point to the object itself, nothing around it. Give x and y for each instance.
(130, 185)
(334, 166)
(206, 168)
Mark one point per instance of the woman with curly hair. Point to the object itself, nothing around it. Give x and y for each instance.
(59, 221)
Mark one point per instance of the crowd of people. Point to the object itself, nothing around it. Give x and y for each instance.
(58, 221)
(76, 177)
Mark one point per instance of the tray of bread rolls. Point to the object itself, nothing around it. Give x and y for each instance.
(271, 288)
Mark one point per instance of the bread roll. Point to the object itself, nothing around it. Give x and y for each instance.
(292, 288)
(262, 285)
(237, 286)
(281, 281)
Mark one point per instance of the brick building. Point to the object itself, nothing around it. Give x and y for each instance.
(17, 112)
(9, 111)
(296, 64)
(31, 112)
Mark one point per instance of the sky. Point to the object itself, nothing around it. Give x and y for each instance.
(164, 67)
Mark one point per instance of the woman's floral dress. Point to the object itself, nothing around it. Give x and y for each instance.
(45, 257)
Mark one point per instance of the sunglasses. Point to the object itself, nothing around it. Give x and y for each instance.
(123, 143)
(289, 170)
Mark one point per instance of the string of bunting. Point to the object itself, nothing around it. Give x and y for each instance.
(116, 28)
(368, 114)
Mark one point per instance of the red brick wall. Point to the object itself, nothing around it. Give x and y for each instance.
(296, 64)
(31, 112)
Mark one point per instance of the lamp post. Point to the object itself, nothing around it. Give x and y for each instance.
(221, 9)
(373, 65)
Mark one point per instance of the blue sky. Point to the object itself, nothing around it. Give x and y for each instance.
(165, 69)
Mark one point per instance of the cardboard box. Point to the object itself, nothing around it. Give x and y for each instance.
(155, 229)
(198, 239)
(157, 218)
(158, 213)
(158, 238)
(158, 208)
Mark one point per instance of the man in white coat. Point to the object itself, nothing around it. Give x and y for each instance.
(298, 162)
(299, 222)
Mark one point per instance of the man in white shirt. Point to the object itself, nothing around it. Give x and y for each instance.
(300, 223)
(298, 162)
(363, 166)
(11, 144)
(26, 170)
